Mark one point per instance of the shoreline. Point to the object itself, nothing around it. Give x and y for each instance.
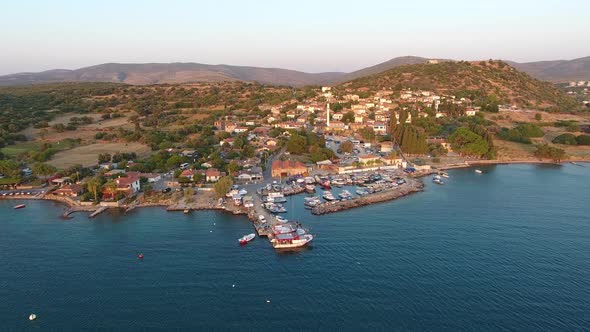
(74, 206)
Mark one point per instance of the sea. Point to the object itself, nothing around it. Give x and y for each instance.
(506, 250)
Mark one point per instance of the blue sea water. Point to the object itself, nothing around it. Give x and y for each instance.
(505, 250)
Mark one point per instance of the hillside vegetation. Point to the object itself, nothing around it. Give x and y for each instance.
(473, 80)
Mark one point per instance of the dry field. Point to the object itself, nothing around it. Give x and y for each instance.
(88, 155)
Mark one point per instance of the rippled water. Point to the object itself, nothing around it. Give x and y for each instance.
(506, 250)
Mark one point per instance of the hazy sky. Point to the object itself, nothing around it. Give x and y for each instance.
(313, 35)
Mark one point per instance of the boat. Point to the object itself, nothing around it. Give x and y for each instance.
(325, 184)
(187, 211)
(338, 182)
(261, 218)
(437, 177)
(437, 181)
(32, 317)
(281, 219)
(246, 238)
(328, 196)
(290, 240)
(276, 198)
(20, 206)
(310, 202)
(283, 229)
(345, 194)
(478, 171)
(444, 175)
(310, 188)
(140, 256)
(362, 192)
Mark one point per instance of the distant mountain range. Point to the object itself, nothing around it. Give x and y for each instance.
(159, 73)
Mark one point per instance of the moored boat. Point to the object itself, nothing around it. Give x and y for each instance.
(290, 240)
(310, 188)
(246, 238)
(478, 171)
(437, 181)
(20, 206)
(345, 194)
(328, 196)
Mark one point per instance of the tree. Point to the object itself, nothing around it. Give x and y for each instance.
(466, 142)
(348, 117)
(233, 167)
(93, 185)
(346, 146)
(223, 185)
(583, 140)
(549, 152)
(41, 169)
(367, 133)
(538, 117)
(111, 188)
(10, 168)
(104, 158)
(297, 144)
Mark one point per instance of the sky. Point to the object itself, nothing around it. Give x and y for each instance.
(312, 36)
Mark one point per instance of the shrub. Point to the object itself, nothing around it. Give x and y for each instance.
(568, 139)
(583, 140)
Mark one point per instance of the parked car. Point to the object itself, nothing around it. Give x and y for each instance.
(166, 190)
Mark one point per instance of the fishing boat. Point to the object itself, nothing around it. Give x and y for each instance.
(290, 240)
(20, 206)
(478, 171)
(276, 198)
(362, 192)
(310, 188)
(246, 238)
(328, 196)
(345, 194)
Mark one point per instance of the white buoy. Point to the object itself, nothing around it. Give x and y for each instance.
(267, 301)
(210, 231)
(32, 317)
(232, 286)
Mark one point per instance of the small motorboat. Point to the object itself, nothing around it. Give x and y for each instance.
(20, 206)
(32, 317)
(281, 219)
(478, 171)
(187, 211)
(438, 181)
(140, 256)
(246, 238)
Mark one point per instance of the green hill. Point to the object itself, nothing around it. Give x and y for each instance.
(488, 78)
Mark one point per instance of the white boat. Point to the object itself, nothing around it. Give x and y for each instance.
(261, 218)
(338, 182)
(478, 171)
(20, 206)
(246, 238)
(437, 177)
(328, 196)
(281, 219)
(310, 188)
(438, 181)
(362, 192)
(32, 317)
(290, 240)
(310, 202)
(276, 198)
(283, 229)
(345, 194)
(444, 175)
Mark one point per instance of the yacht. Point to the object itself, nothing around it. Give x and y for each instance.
(345, 194)
(310, 188)
(290, 240)
(328, 196)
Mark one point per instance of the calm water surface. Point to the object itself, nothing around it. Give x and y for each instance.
(506, 250)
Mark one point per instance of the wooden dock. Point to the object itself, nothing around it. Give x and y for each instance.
(98, 211)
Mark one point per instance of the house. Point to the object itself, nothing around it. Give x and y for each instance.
(337, 116)
(440, 141)
(239, 130)
(386, 147)
(358, 119)
(291, 114)
(271, 142)
(129, 184)
(70, 190)
(213, 175)
(189, 153)
(187, 173)
(287, 168)
(244, 176)
(470, 112)
(228, 141)
(380, 128)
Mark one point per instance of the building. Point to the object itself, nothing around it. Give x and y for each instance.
(368, 158)
(380, 129)
(187, 173)
(287, 168)
(386, 147)
(213, 175)
(129, 184)
(70, 190)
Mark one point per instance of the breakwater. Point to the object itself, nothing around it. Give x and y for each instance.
(412, 186)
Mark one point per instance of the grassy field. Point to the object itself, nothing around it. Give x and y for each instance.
(88, 155)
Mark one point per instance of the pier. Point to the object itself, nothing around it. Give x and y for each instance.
(410, 187)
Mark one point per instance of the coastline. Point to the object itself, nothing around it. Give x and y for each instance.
(74, 206)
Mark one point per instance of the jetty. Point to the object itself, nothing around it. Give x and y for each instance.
(410, 187)
(98, 211)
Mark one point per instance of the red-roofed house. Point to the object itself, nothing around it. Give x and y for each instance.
(129, 184)
(213, 175)
(187, 173)
(71, 190)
